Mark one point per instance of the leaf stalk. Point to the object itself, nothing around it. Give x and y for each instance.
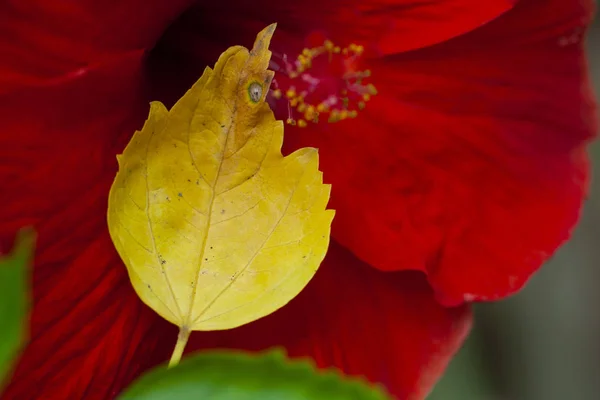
(182, 339)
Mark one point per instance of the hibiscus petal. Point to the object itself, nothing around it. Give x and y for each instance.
(206, 29)
(470, 163)
(88, 329)
(60, 139)
(61, 131)
(385, 326)
(42, 40)
(391, 26)
(90, 333)
(395, 26)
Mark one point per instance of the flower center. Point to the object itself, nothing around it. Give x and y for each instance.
(323, 83)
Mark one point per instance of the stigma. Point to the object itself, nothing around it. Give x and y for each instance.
(323, 83)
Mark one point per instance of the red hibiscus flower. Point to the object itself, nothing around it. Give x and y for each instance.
(468, 167)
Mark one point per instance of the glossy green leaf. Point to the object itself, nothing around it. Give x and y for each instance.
(228, 375)
(14, 300)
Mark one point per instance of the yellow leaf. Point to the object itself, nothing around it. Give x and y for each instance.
(215, 226)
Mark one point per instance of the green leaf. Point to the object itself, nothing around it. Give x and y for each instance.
(14, 300)
(229, 375)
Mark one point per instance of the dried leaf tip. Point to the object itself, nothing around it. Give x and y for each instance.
(260, 55)
(263, 40)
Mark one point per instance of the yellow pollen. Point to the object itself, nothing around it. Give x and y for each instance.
(372, 90)
(310, 112)
(322, 107)
(334, 116)
(348, 99)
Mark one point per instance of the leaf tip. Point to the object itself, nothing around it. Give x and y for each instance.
(263, 39)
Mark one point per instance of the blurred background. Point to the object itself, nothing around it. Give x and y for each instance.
(544, 343)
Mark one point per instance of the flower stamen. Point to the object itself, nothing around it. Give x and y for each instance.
(322, 83)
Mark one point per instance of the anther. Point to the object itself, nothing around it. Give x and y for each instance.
(323, 80)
